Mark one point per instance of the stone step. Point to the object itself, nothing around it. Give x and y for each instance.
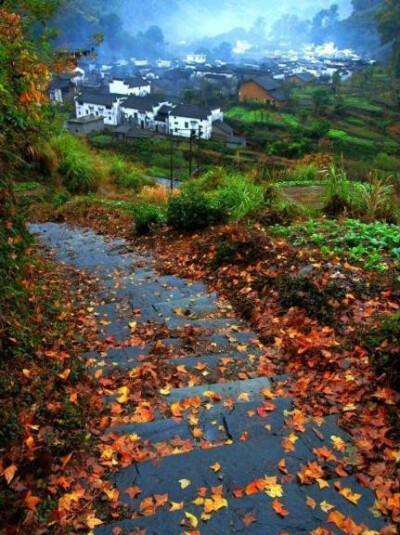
(234, 389)
(301, 519)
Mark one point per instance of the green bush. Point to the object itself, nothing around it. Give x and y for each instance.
(147, 217)
(239, 196)
(306, 173)
(194, 210)
(61, 198)
(385, 162)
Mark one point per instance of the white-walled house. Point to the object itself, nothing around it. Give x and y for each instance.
(99, 105)
(142, 111)
(130, 86)
(196, 58)
(187, 119)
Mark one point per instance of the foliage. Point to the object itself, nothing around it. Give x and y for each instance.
(79, 169)
(239, 196)
(375, 199)
(388, 19)
(147, 217)
(383, 344)
(194, 210)
(369, 244)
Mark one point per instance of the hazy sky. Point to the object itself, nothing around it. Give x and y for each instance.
(191, 19)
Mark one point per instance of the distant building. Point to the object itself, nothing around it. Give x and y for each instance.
(190, 119)
(196, 58)
(263, 89)
(130, 86)
(85, 125)
(221, 130)
(61, 89)
(236, 142)
(100, 105)
(142, 112)
(301, 78)
(164, 63)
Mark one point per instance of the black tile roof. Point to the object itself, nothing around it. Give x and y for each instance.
(133, 82)
(191, 111)
(267, 83)
(146, 103)
(101, 99)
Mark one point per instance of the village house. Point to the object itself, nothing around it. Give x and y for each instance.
(263, 89)
(221, 130)
(301, 78)
(196, 58)
(142, 111)
(186, 120)
(99, 105)
(130, 86)
(85, 125)
(61, 89)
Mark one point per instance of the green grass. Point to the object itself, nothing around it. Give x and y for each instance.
(372, 245)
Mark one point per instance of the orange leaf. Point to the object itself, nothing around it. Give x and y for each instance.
(9, 473)
(248, 519)
(279, 508)
(32, 501)
(336, 518)
(132, 492)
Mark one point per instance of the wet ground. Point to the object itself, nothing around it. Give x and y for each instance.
(246, 431)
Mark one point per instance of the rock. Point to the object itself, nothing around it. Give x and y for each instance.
(307, 270)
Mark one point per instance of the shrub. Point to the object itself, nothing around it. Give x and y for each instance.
(61, 198)
(385, 162)
(239, 196)
(147, 217)
(131, 180)
(194, 210)
(383, 344)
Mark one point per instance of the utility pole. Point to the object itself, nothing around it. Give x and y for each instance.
(198, 148)
(172, 162)
(192, 135)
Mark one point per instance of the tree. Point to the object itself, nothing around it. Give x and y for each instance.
(388, 19)
(322, 100)
(336, 82)
(155, 35)
(223, 51)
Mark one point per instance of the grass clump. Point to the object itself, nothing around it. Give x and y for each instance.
(239, 196)
(80, 169)
(194, 210)
(147, 217)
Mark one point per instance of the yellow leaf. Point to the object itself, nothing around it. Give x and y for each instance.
(350, 495)
(338, 443)
(326, 507)
(216, 467)
(175, 506)
(165, 391)
(323, 484)
(244, 396)
(92, 521)
(124, 394)
(193, 520)
(184, 483)
(274, 491)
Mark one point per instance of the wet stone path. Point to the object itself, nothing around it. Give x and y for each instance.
(233, 476)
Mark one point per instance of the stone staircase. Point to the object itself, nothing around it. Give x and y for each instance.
(243, 432)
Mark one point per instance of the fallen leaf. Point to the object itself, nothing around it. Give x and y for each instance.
(279, 508)
(184, 483)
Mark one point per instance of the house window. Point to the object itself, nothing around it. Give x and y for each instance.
(186, 125)
(108, 107)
